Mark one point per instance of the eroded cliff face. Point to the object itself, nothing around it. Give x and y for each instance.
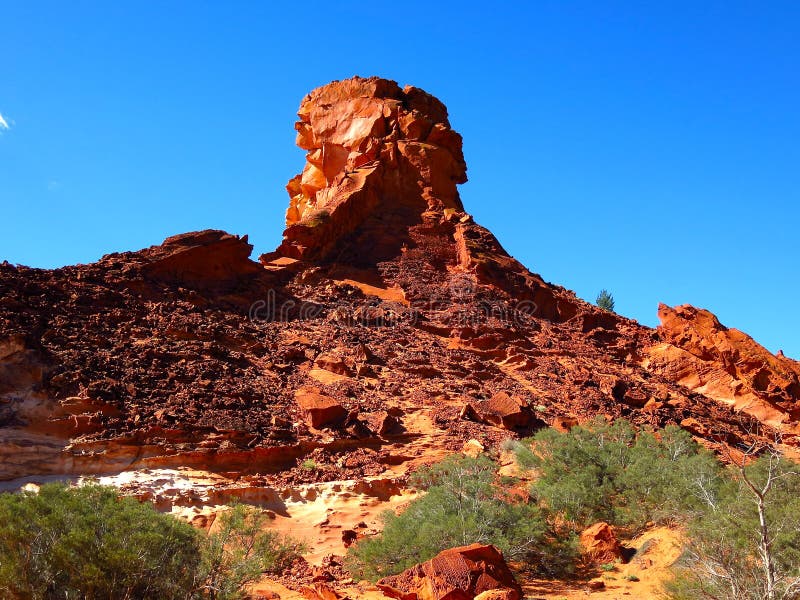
(379, 159)
(387, 330)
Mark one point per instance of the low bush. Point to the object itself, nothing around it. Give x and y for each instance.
(732, 552)
(608, 472)
(464, 503)
(86, 542)
(241, 551)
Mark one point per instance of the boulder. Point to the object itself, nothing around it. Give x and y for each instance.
(319, 410)
(201, 258)
(382, 422)
(599, 543)
(501, 410)
(319, 591)
(455, 574)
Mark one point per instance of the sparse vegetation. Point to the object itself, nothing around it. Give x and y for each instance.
(86, 542)
(464, 503)
(241, 551)
(608, 472)
(746, 545)
(743, 523)
(605, 300)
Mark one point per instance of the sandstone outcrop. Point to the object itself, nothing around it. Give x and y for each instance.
(455, 574)
(396, 308)
(379, 160)
(701, 354)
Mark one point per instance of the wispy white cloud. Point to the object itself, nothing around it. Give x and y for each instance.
(3, 123)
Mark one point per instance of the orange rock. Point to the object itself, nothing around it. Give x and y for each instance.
(319, 410)
(455, 574)
(334, 363)
(382, 422)
(373, 149)
(202, 257)
(725, 364)
(599, 543)
(497, 595)
(319, 591)
(563, 424)
(473, 448)
(502, 410)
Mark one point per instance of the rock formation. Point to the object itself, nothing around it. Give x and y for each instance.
(386, 331)
(455, 574)
(704, 356)
(380, 159)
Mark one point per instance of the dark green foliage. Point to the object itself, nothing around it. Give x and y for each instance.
(606, 472)
(724, 558)
(464, 504)
(605, 300)
(88, 543)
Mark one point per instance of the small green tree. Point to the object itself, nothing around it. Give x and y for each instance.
(608, 472)
(241, 551)
(464, 503)
(746, 544)
(605, 300)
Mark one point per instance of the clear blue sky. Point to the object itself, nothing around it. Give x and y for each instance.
(649, 148)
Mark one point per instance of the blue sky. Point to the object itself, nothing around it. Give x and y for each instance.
(648, 148)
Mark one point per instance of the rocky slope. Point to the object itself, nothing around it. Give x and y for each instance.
(386, 330)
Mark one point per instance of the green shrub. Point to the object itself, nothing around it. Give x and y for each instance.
(606, 472)
(463, 503)
(87, 543)
(241, 551)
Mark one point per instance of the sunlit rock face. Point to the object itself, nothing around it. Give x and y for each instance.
(379, 158)
(727, 365)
